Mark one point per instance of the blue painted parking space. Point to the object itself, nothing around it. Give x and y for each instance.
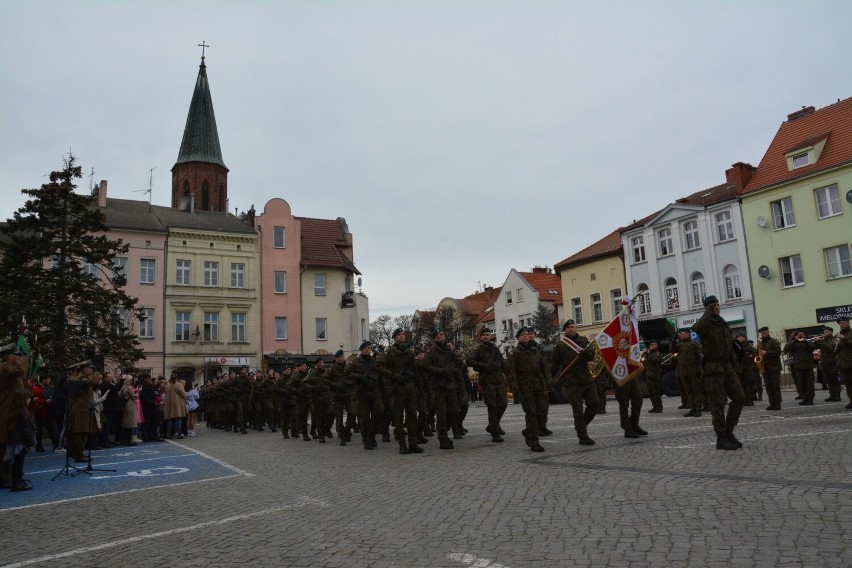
(144, 466)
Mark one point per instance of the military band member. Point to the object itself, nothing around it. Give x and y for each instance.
(752, 371)
(81, 417)
(489, 363)
(769, 349)
(396, 367)
(802, 352)
(719, 374)
(371, 411)
(743, 358)
(828, 363)
(687, 356)
(579, 383)
(530, 378)
(843, 355)
(653, 363)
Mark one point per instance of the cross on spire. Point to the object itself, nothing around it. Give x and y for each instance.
(202, 45)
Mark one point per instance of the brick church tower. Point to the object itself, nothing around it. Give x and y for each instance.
(200, 175)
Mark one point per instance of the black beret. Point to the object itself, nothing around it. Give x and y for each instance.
(567, 323)
(710, 300)
(397, 331)
(764, 328)
(365, 344)
(338, 353)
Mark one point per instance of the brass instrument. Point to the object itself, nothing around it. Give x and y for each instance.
(835, 345)
(667, 357)
(597, 365)
(758, 360)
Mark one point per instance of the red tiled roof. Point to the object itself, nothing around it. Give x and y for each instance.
(610, 244)
(545, 284)
(323, 244)
(478, 303)
(834, 121)
(702, 198)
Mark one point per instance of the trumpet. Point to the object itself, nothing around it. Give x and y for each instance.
(667, 358)
(801, 337)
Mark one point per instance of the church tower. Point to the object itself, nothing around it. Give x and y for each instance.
(199, 174)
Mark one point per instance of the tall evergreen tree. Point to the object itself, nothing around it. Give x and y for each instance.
(60, 273)
(546, 325)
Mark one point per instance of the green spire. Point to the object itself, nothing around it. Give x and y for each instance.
(200, 136)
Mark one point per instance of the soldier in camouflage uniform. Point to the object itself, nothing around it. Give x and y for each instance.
(462, 392)
(319, 393)
(371, 412)
(802, 352)
(489, 363)
(751, 372)
(342, 402)
(719, 374)
(843, 355)
(396, 367)
(530, 379)
(770, 349)
(741, 355)
(653, 364)
(441, 364)
(424, 393)
(687, 356)
(287, 403)
(579, 384)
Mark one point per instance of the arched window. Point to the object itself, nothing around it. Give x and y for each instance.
(672, 302)
(643, 299)
(731, 276)
(697, 286)
(185, 190)
(205, 196)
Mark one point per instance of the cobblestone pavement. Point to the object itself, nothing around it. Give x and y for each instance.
(670, 499)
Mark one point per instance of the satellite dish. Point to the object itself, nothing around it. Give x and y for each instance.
(849, 196)
(763, 271)
(761, 222)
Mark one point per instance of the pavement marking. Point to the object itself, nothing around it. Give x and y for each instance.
(99, 464)
(302, 501)
(473, 561)
(233, 468)
(761, 438)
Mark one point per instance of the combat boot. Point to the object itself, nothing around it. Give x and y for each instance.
(385, 437)
(403, 448)
(447, 445)
(630, 434)
(285, 434)
(322, 439)
(421, 439)
(545, 432)
(537, 447)
(305, 437)
(639, 430)
(496, 438)
(697, 413)
(691, 412)
(586, 441)
(732, 438)
(368, 446)
(415, 449)
(342, 442)
(723, 443)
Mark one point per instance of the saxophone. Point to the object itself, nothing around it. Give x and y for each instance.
(758, 360)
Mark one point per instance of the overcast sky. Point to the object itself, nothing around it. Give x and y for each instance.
(458, 139)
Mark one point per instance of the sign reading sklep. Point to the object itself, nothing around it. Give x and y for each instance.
(827, 315)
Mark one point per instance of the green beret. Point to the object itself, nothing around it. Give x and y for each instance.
(397, 331)
(710, 300)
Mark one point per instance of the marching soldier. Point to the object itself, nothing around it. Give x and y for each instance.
(579, 384)
(442, 366)
(371, 411)
(687, 354)
(828, 364)
(769, 349)
(653, 362)
(751, 371)
(396, 367)
(530, 379)
(342, 401)
(488, 362)
(719, 374)
(319, 395)
(742, 356)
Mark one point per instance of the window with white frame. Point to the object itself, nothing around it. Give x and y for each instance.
(182, 272)
(280, 282)
(597, 307)
(238, 328)
(182, 326)
(322, 328)
(520, 295)
(508, 297)
(615, 301)
(90, 268)
(724, 226)
(146, 324)
(791, 271)
(319, 284)
(664, 238)
(147, 272)
(280, 328)
(782, 213)
(211, 326)
(278, 237)
(638, 245)
(363, 329)
(577, 310)
(238, 275)
(697, 285)
(800, 160)
(690, 235)
(211, 273)
(837, 261)
(119, 266)
(672, 302)
(828, 201)
(644, 299)
(731, 276)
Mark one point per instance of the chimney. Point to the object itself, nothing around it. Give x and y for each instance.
(540, 270)
(739, 175)
(102, 192)
(806, 111)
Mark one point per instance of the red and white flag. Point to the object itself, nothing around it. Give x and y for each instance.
(619, 345)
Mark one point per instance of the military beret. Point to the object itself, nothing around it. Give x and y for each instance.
(567, 323)
(338, 353)
(397, 331)
(484, 330)
(764, 328)
(317, 360)
(521, 330)
(436, 331)
(364, 345)
(710, 300)
(826, 328)
(8, 349)
(684, 329)
(842, 318)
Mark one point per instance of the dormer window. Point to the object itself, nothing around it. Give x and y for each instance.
(800, 160)
(806, 152)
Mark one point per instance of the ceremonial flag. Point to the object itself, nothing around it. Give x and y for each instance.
(619, 345)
